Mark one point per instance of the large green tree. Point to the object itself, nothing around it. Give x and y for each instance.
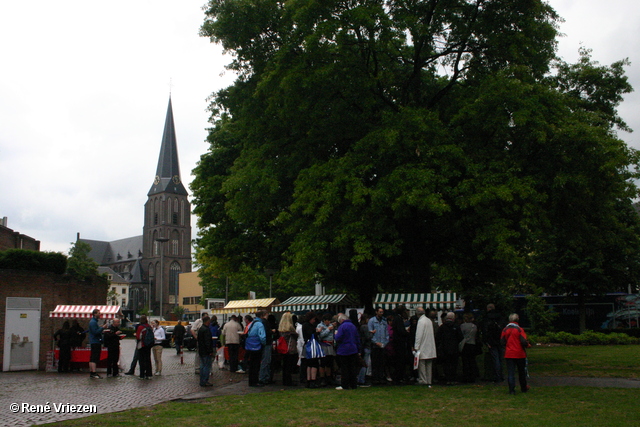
(399, 145)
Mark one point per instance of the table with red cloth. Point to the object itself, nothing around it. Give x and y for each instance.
(82, 356)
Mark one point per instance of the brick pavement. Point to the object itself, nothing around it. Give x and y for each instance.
(109, 394)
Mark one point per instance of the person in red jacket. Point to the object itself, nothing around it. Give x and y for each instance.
(514, 340)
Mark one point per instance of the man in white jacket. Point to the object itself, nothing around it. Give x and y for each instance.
(426, 345)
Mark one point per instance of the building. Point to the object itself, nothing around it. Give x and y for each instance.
(190, 295)
(118, 293)
(151, 263)
(10, 239)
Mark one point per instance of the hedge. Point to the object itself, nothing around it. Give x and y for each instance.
(22, 259)
(586, 338)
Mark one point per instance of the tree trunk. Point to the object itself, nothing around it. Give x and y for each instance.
(582, 313)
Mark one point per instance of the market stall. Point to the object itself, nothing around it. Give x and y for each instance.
(80, 355)
(440, 301)
(247, 306)
(335, 303)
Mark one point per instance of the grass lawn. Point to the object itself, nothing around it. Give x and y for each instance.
(392, 406)
(474, 405)
(621, 361)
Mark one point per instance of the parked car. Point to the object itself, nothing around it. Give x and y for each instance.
(168, 331)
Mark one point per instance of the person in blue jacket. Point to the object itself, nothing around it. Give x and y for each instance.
(95, 339)
(254, 344)
(348, 340)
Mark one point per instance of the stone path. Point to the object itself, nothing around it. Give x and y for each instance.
(108, 394)
(177, 382)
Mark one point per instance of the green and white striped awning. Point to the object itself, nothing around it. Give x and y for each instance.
(436, 301)
(315, 302)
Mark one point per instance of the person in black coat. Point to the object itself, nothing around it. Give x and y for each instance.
(63, 337)
(448, 339)
(205, 350)
(112, 337)
(400, 345)
(178, 336)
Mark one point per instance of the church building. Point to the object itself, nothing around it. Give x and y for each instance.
(152, 262)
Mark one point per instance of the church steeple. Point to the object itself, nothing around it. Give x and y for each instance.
(167, 227)
(167, 179)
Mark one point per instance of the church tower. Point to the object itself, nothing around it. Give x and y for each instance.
(167, 226)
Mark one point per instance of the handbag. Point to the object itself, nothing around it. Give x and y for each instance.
(282, 347)
(313, 349)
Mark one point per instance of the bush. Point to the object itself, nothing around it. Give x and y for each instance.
(586, 338)
(22, 259)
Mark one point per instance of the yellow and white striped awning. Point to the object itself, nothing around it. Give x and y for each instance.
(435, 301)
(246, 306)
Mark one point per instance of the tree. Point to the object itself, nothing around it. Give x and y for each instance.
(390, 144)
(80, 264)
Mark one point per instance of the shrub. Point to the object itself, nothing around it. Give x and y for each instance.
(540, 316)
(22, 259)
(586, 338)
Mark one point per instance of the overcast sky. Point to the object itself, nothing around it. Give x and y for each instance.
(84, 87)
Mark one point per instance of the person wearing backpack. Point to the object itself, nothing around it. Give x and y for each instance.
(145, 340)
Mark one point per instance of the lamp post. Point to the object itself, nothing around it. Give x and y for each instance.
(161, 240)
(270, 272)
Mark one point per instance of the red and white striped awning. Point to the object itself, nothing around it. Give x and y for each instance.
(85, 311)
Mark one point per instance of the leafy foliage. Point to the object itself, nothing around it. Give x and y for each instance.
(539, 315)
(80, 264)
(410, 146)
(22, 259)
(585, 338)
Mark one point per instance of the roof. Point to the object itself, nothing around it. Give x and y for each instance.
(435, 301)
(315, 302)
(115, 277)
(85, 311)
(168, 170)
(246, 306)
(116, 251)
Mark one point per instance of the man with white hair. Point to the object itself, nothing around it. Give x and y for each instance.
(425, 343)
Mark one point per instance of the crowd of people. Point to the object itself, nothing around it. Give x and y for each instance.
(320, 350)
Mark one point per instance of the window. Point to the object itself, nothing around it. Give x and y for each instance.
(124, 291)
(174, 272)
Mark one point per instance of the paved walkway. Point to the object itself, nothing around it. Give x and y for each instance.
(177, 382)
(109, 394)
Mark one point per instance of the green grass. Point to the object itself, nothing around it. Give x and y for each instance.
(620, 361)
(474, 405)
(392, 406)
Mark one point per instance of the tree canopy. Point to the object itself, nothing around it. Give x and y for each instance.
(80, 264)
(413, 145)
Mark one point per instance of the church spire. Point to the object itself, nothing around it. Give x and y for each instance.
(167, 179)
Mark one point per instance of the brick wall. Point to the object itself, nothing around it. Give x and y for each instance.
(10, 239)
(54, 289)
